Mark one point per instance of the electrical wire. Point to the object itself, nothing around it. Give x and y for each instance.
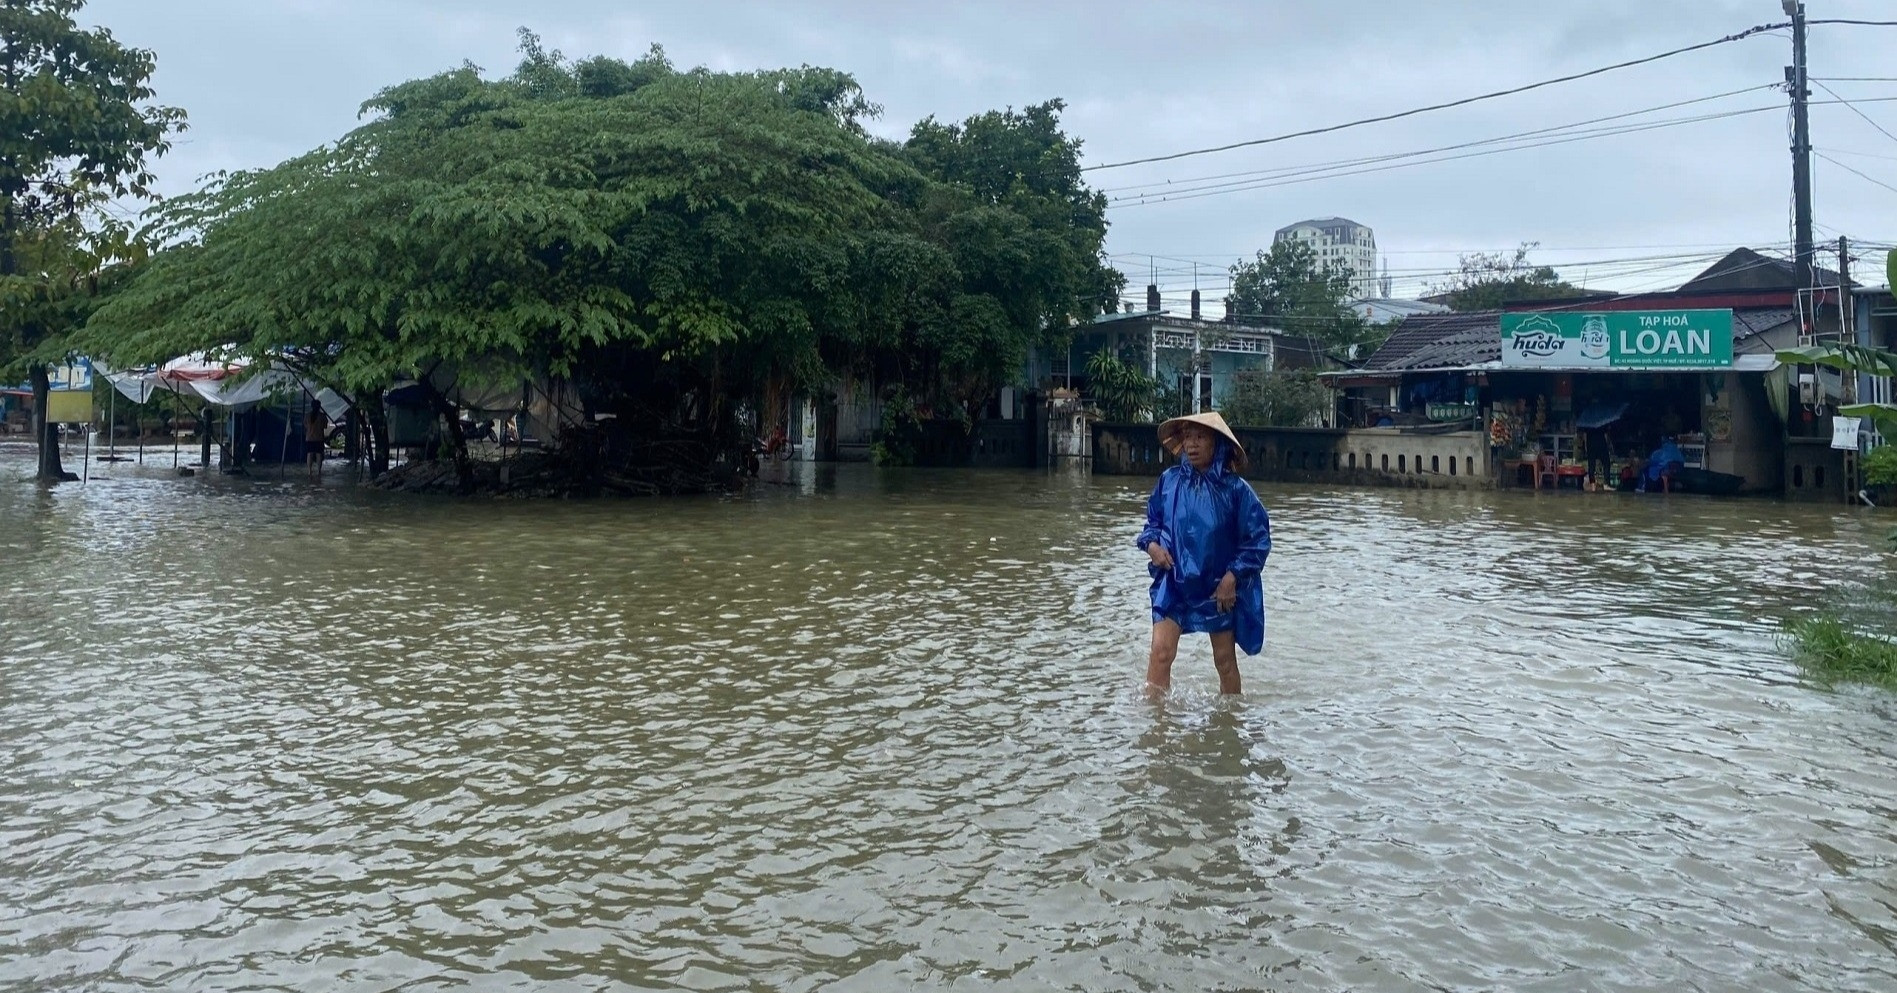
(1193, 193)
(1855, 110)
(1739, 36)
(1520, 135)
(1163, 195)
(1868, 155)
(1446, 148)
(1854, 172)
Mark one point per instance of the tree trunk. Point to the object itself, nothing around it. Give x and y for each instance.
(457, 440)
(204, 437)
(377, 418)
(50, 471)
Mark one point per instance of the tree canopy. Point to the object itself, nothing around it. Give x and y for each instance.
(1287, 287)
(76, 131)
(644, 231)
(1491, 280)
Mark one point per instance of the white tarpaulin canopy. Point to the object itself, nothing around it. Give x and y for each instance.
(218, 382)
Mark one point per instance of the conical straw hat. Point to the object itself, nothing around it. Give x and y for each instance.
(1169, 434)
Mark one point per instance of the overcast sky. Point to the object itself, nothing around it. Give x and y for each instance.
(265, 79)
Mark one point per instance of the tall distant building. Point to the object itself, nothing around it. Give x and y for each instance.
(1338, 242)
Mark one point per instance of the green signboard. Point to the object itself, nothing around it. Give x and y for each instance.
(1632, 339)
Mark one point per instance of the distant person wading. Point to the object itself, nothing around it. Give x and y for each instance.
(315, 438)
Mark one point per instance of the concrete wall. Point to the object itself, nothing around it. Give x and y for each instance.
(1457, 460)
(1753, 444)
(1365, 457)
(1814, 471)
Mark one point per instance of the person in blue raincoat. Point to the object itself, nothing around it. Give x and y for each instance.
(1661, 467)
(1207, 537)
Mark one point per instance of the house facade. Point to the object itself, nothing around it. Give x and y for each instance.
(1743, 421)
(1197, 358)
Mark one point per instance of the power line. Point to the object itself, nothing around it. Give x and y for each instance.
(1294, 179)
(1444, 148)
(1855, 110)
(1856, 173)
(1162, 195)
(1189, 259)
(1749, 32)
(1846, 151)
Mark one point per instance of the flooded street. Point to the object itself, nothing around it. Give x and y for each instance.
(883, 731)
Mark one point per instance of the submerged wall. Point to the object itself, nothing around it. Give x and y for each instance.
(1362, 457)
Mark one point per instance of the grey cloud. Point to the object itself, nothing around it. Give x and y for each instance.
(264, 79)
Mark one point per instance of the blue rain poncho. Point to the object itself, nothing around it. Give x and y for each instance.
(1211, 523)
(1664, 460)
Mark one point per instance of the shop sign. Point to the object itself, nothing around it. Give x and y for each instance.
(1633, 339)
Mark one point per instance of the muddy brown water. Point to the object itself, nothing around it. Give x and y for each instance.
(881, 730)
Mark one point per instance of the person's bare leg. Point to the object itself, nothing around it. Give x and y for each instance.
(1159, 663)
(1225, 659)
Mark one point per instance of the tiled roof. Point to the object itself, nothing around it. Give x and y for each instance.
(1750, 323)
(1745, 269)
(1434, 341)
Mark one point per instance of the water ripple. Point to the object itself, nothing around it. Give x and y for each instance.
(870, 732)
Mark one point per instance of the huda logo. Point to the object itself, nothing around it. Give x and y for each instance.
(1537, 344)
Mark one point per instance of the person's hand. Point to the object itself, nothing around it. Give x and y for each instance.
(1161, 558)
(1227, 593)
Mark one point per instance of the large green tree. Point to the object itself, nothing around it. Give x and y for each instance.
(1492, 280)
(75, 128)
(1288, 288)
(660, 238)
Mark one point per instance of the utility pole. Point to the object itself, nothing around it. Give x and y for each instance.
(1795, 81)
(1847, 334)
(1847, 301)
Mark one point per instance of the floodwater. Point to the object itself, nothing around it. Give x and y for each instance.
(883, 732)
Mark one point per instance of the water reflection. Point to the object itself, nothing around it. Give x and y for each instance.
(865, 731)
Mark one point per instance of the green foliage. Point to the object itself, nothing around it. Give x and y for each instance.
(1122, 390)
(1832, 650)
(900, 433)
(1287, 287)
(72, 113)
(1258, 398)
(1856, 359)
(74, 132)
(1489, 281)
(1172, 400)
(1880, 466)
(1023, 234)
(645, 231)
